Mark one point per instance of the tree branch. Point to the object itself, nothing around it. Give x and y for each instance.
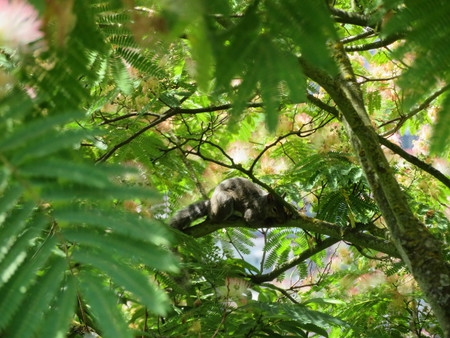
(418, 109)
(368, 33)
(419, 249)
(306, 223)
(377, 44)
(414, 160)
(388, 144)
(169, 113)
(326, 243)
(352, 18)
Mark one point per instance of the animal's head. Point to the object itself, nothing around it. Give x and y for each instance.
(276, 210)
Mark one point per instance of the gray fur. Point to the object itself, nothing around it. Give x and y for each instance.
(234, 196)
(183, 218)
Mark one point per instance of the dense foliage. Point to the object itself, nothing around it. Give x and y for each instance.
(115, 114)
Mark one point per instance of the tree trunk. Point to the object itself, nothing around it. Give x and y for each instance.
(420, 251)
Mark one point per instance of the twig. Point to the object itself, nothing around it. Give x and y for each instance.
(414, 160)
(169, 113)
(396, 149)
(418, 109)
(374, 45)
(368, 33)
(295, 261)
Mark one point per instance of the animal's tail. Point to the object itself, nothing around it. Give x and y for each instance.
(183, 218)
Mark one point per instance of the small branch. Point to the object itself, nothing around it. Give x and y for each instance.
(368, 33)
(294, 261)
(366, 79)
(285, 293)
(169, 113)
(298, 133)
(418, 109)
(216, 108)
(126, 116)
(322, 105)
(414, 160)
(395, 148)
(233, 165)
(377, 44)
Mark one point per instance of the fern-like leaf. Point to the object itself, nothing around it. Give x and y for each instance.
(130, 278)
(13, 292)
(18, 252)
(58, 316)
(16, 222)
(29, 316)
(110, 219)
(108, 244)
(104, 307)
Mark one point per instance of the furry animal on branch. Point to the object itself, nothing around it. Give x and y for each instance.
(235, 196)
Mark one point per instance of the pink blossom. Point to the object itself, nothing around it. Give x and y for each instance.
(19, 24)
(236, 286)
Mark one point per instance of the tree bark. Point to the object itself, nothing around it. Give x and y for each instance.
(353, 236)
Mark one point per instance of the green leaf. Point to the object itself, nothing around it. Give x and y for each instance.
(246, 88)
(324, 301)
(14, 224)
(170, 100)
(32, 130)
(140, 62)
(49, 144)
(139, 251)
(58, 317)
(236, 48)
(308, 23)
(9, 199)
(299, 313)
(121, 76)
(83, 173)
(59, 192)
(14, 292)
(201, 52)
(427, 36)
(269, 88)
(289, 71)
(334, 208)
(19, 249)
(131, 279)
(121, 223)
(14, 106)
(31, 313)
(103, 304)
(441, 137)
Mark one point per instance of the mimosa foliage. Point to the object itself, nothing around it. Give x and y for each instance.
(130, 110)
(67, 246)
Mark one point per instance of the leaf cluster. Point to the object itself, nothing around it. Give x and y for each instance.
(69, 251)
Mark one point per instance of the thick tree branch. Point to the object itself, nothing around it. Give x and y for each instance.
(352, 18)
(307, 223)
